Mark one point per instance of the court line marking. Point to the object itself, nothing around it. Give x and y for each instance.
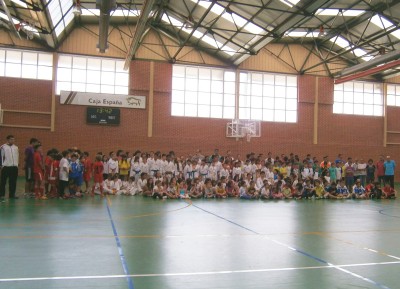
(328, 236)
(109, 203)
(121, 253)
(153, 214)
(97, 220)
(195, 273)
(325, 234)
(392, 216)
(375, 283)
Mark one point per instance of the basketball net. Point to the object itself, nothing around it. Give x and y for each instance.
(248, 137)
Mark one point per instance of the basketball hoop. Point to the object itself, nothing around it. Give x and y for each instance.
(248, 137)
(242, 128)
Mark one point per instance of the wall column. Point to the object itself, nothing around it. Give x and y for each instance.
(151, 101)
(385, 118)
(315, 133)
(53, 93)
(237, 88)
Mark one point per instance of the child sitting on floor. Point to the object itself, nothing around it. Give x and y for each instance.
(208, 191)
(358, 191)
(277, 191)
(319, 189)
(286, 191)
(220, 191)
(388, 192)
(342, 190)
(265, 191)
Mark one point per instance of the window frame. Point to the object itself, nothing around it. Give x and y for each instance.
(16, 63)
(91, 74)
(393, 99)
(260, 97)
(347, 98)
(203, 92)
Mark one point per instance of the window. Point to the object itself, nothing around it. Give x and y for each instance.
(91, 74)
(268, 97)
(358, 98)
(26, 64)
(203, 92)
(393, 95)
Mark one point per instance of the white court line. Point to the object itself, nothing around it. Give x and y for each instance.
(197, 273)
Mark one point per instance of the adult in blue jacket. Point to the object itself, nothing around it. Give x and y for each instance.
(390, 166)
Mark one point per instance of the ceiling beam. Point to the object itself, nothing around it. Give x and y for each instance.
(180, 42)
(194, 29)
(368, 72)
(140, 31)
(308, 8)
(11, 24)
(105, 6)
(378, 8)
(345, 51)
(394, 55)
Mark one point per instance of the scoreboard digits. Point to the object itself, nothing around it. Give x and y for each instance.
(103, 116)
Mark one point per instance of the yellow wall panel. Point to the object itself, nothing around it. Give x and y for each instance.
(395, 79)
(267, 60)
(291, 58)
(191, 55)
(83, 40)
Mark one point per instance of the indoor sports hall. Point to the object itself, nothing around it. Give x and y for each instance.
(199, 144)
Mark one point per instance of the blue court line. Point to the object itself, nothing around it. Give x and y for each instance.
(382, 213)
(121, 253)
(375, 283)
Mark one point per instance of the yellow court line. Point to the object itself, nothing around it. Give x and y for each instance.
(131, 236)
(109, 202)
(321, 234)
(189, 203)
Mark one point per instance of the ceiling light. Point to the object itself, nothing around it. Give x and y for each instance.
(321, 32)
(189, 23)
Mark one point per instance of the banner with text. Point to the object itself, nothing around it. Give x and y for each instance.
(102, 99)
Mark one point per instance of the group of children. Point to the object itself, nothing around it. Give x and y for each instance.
(166, 176)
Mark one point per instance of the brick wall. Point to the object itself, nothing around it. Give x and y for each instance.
(357, 136)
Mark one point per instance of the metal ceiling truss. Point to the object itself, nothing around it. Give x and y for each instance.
(297, 17)
(347, 26)
(308, 8)
(140, 32)
(345, 51)
(22, 18)
(278, 56)
(179, 41)
(240, 29)
(196, 26)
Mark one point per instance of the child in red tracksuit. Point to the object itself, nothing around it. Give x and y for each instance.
(38, 172)
(98, 169)
(48, 161)
(53, 176)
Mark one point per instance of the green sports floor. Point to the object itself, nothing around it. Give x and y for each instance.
(139, 243)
